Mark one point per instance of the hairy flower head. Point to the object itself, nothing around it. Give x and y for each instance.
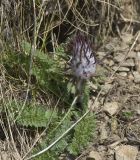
(83, 63)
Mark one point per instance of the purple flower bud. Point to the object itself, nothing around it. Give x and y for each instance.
(83, 63)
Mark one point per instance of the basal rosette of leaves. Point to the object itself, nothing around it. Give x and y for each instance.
(50, 77)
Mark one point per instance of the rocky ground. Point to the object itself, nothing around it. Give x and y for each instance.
(118, 106)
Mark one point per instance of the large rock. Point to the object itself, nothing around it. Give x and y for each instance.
(126, 152)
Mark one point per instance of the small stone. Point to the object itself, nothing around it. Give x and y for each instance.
(130, 77)
(111, 108)
(126, 152)
(108, 62)
(8, 155)
(1, 45)
(111, 63)
(93, 86)
(105, 61)
(4, 155)
(119, 57)
(124, 47)
(115, 138)
(124, 69)
(127, 38)
(131, 54)
(123, 74)
(136, 77)
(109, 47)
(137, 47)
(138, 109)
(138, 55)
(103, 132)
(128, 63)
(101, 54)
(106, 88)
(121, 69)
(114, 125)
(94, 155)
(137, 60)
(93, 105)
(101, 148)
(110, 152)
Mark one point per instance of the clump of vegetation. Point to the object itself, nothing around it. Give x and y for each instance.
(48, 77)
